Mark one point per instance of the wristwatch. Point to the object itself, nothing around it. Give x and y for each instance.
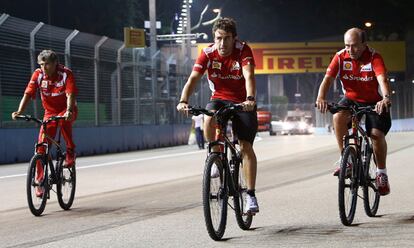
(250, 98)
(387, 96)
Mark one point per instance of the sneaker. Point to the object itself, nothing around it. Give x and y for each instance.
(383, 184)
(39, 191)
(338, 169)
(70, 159)
(251, 205)
(214, 172)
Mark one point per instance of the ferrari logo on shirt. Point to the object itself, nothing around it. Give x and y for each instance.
(235, 66)
(216, 65)
(44, 84)
(347, 66)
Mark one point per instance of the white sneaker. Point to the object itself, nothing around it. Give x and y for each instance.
(251, 205)
(214, 171)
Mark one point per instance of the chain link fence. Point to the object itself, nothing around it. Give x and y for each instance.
(116, 84)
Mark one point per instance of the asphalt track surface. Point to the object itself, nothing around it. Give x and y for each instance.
(153, 199)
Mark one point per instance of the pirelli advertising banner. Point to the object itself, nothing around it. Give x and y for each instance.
(298, 57)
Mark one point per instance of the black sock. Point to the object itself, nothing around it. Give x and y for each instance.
(251, 192)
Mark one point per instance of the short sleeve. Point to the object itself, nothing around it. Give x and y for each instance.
(378, 65)
(201, 63)
(333, 67)
(247, 56)
(32, 86)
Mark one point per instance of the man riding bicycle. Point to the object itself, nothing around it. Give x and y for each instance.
(57, 90)
(230, 66)
(362, 73)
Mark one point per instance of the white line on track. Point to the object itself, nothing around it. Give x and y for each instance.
(118, 162)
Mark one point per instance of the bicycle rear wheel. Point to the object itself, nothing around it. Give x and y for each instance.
(371, 194)
(66, 186)
(215, 198)
(348, 186)
(244, 220)
(37, 185)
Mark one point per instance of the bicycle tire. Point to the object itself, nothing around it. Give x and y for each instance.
(371, 194)
(243, 220)
(36, 204)
(348, 180)
(66, 185)
(215, 198)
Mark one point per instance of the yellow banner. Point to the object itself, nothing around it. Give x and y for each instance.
(134, 37)
(299, 57)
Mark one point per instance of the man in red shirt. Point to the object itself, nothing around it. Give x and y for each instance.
(363, 76)
(57, 90)
(230, 66)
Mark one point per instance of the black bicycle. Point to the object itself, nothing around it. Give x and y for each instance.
(223, 176)
(357, 169)
(40, 182)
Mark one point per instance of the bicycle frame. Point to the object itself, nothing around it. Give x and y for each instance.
(225, 144)
(358, 134)
(48, 161)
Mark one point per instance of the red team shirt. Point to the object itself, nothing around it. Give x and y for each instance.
(358, 77)
(225, 74)
(52, 90)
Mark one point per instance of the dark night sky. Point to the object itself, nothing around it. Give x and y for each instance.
(258, 20)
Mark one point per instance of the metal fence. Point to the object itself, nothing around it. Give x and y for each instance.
(116, 84)
(120, 86)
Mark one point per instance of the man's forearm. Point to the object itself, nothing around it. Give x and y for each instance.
(23, 103)
(325, 85)
(251, 86)
(70, 102)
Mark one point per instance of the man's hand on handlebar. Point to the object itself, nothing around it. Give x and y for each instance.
(183, 108)
(248, 105)
(14, 114)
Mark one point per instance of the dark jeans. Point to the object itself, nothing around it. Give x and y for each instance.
(199, 137)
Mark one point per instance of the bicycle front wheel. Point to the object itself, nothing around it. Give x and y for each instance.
(66, 185)
(244, 220)
(348, 186)
(215, 197)
(371, 194)
(37, 185)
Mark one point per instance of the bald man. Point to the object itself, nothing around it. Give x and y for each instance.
(363, 76)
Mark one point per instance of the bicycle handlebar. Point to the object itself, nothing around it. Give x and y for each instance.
(334, 107)
(227, 108)
(30, 118)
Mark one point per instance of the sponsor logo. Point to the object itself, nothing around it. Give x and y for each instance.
(347, 66)
(366, 67)
(44, 84)
(58, 94)
(233, 77)
(235, 66)
(216, 65)
(60, 84)
(355, 78)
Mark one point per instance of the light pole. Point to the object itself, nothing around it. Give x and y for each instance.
(153, 50)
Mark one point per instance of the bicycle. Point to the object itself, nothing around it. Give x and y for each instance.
(63, 177)
(229, 183)
(357, 168)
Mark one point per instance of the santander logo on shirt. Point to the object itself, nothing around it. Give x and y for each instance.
(355, 78)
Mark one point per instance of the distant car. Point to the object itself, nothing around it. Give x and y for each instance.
(263, 119)
(276, 126)
(297, 125)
